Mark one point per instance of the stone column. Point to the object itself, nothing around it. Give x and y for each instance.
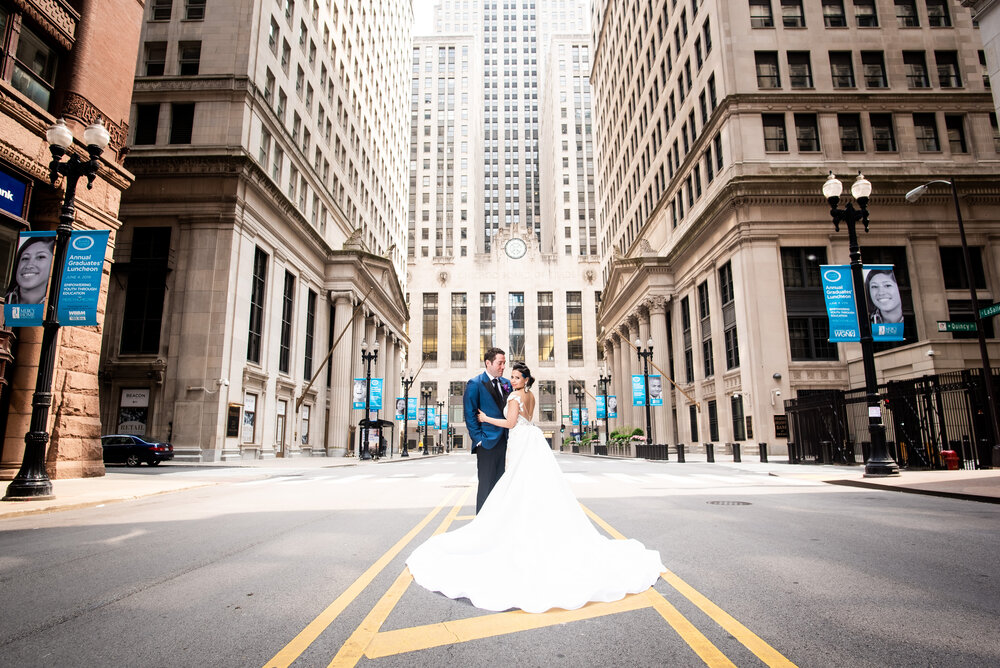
(390, 391)
(636, 416)
(341, 381)
(357, 371)
(663, 425)
(622, 377)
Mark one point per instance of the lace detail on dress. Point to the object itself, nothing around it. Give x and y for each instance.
(521, 420)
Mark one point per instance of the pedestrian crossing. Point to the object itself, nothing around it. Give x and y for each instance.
(586, 479)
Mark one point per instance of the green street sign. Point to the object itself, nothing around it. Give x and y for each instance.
(945, 326)
(989, 311)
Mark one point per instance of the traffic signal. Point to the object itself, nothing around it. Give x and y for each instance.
(562, 429)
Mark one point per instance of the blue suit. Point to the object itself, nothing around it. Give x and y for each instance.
(489, 442)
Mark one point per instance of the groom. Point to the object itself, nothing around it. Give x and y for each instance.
(487, 391)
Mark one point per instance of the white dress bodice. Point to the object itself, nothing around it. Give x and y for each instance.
(521, 420)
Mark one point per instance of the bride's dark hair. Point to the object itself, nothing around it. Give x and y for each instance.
(523, 369)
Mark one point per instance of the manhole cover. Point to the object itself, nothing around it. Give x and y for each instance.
(729, 503)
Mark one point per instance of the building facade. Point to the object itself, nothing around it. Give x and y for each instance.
(265, 238)
(716, 125)
(58, 64)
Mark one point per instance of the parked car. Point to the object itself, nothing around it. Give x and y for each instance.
(134, 450)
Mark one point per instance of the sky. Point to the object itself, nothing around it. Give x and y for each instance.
(422, 13)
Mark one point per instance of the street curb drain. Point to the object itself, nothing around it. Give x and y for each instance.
(728, 503)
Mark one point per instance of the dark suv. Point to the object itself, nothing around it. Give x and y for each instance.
(133, 450)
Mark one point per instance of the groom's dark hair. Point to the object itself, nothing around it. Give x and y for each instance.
(492, 353)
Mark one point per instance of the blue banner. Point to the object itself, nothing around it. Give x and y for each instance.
(81, 279)
(612, 404)
(29, 283)
(638, 390)
(444, 419)
(655, 390)
(375, 400)
(601, 410)
(421, 417)
(376, 390)
(411, 408)
(575, 412)
(838, 292)
(400, 408)
(586, 417)
(432, 417)
(885, 306)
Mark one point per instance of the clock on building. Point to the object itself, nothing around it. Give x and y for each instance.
(515, 248)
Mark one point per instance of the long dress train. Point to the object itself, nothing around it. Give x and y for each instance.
(531, 546)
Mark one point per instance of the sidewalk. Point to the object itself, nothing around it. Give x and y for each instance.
(121, 483)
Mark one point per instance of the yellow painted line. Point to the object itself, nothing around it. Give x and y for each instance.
(750, 640)
(390, 643)
(465, 517)
(299, 643)
(351, 651)
(696, 640)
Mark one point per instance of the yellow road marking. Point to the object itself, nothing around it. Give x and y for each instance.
(389, 643)
(299, 643)
(465, 517)
(750, 640)
(351, 651)
(696, 640)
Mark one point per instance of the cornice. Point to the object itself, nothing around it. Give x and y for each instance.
(57, 18)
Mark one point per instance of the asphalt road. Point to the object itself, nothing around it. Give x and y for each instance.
(269, 567)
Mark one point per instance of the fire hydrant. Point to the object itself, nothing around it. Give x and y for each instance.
(950, 458)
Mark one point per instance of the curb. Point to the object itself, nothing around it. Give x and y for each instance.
(27, 510)
(910, 490)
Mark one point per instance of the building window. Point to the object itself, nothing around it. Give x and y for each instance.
(142, 315)
(739, 423)
(686, 332)
(799, 69)
(842, 69)
(791, 14)
(547, 400)
(704, 313)
(960, 310)
(767, 69)
(955, 127)
(304, 431)
(188, 58)
(996, 131)
(727, 295)
(984, 70)
(915, 66)
(806, 132)
(883, 133)
(249, 433)
(808, 325)
(937, 14)
(906, 14)
(953, 268)
(257, 290)
(693, 422)
(35, 61)
(574, 325)
(713, 421)
(947, 68)
(865, 13)
(487, 322)
(873, 69)
(775, 138)
(147, 120)
(760, 14)
(850, 132)
(546, 328)
(194, 10)
(459, 320)
(430, 327)
(181, 122)
(161, 10)
(833, 14)
(925, 129)
(273, 35)
(287, 312)
(307, 362)
(156, 58)
(515, 304)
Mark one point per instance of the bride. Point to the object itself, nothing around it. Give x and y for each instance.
(531, 546)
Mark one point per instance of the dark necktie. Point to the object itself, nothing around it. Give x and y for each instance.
(496, 384)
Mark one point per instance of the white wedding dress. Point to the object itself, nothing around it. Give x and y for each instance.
(531, 546)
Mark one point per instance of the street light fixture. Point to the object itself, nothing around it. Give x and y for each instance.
(368, 358)
(645, 356)
(407, 381)
(426, 394)
(440, 424)
(32, 482)
(991, 396)
(603, 379)
(879, 462)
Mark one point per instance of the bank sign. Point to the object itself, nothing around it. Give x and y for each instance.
(12, 193)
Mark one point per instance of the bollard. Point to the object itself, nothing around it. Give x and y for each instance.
(736, 452)
(710, 452)
(763, 452)
(680, 453)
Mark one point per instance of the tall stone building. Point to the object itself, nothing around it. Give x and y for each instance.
(267, 225)
(716, 125)
(503, 235)
(72, 61)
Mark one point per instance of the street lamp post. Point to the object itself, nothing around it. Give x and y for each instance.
(578, 392)
(645, 356)
(879, 462)
(991, 396)
(603, 379)
(32, 482)
(426, 394)
(368, 358)
(407, 381)
(440, 425)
